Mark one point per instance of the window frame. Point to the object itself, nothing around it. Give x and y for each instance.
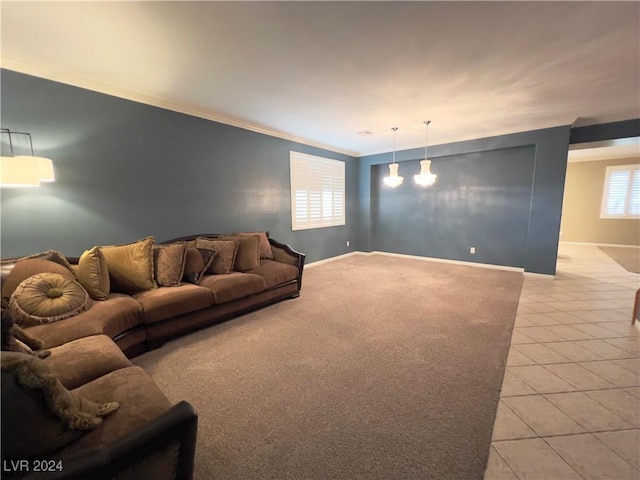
(331, 171)
(634, 171)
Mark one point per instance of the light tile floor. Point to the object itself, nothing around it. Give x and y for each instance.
(570, 401)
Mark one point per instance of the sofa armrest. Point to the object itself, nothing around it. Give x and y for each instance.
(283, 253)
(178, 426)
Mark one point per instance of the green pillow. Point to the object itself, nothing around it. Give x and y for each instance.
(29, 267)
(47, 298)
(93, 273)
(131, 266)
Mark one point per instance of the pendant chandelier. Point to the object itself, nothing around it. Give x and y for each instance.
(425, 178)
(24, 170)
(393, 180)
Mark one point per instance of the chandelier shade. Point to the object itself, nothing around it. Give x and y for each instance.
(425, 177)
(393, 180)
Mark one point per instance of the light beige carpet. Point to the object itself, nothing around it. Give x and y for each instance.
(627, 257)
(384, 368)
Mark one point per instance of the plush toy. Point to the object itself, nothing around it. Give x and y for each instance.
(15, 339)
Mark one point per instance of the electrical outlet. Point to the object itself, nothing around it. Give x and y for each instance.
(472, 250)
(347, 243)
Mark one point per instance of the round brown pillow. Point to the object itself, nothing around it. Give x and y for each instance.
(23, 269)
(46, 298)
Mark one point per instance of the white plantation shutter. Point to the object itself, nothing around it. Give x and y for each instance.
(621, 196)
(634, 205)
(317, 192)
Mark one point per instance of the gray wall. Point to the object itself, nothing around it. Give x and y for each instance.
(502, 195)
(126, 170)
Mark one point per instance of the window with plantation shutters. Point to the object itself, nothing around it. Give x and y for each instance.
(621, 196)
(317, 192)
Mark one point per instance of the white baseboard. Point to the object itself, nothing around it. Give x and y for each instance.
(444, 260)
(331, 259)
(540, 275)
(429, 259)
(600, 244)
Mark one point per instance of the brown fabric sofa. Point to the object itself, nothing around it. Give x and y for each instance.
(146, 437)
(145, 320)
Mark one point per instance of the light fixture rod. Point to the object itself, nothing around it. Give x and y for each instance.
(8, 132)
(426, 137)
(394, 143)
(13, 132)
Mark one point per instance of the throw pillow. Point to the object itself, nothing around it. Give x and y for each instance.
(51, 255)
(169, 261)
(198, 261)
(39, 415)
(47, 298)
(26, 268)
(265, 246)
(131, 266)
(248, 256)
(226, 253)
(93, 273)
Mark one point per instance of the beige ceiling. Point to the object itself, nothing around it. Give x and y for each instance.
(325, 71)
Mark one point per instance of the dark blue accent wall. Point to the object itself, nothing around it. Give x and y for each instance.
(502, 195)
(126, 170)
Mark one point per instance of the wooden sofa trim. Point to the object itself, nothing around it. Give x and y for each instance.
(177, 425)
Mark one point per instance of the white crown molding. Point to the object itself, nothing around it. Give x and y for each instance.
(88, 84)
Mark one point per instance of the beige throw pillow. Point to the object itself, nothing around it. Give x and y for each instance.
(93, 273)
(248, 256)
(169, 261)
(131, 266)
(265, 246)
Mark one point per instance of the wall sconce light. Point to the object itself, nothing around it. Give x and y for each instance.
(393, 180)
(24, 170)
(425, 178)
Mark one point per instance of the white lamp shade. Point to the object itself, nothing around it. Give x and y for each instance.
(45, 167)
(425, 178)
(393, 180)
(19, 172)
